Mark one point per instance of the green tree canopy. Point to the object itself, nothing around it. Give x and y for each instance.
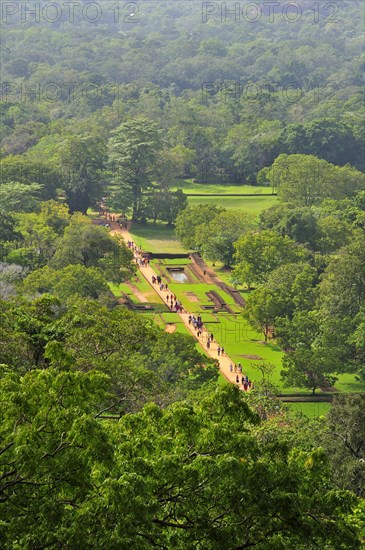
(344, 440)
(298, 223)
(289, 288)
(305, 180)
(133, 155)
(81, 161)
(66, 282)
(165, 205)
(178, 478)
(329, 139)
(215, 239)
(19, 197)
(26, 170)
(259, 253)
(189, 219)
(92, 246)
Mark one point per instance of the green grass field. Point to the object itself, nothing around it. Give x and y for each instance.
(156, 238)
(311, 410)
(142, 286)
(192, 188)
(224, 274)
(253, 205)
(348, 383)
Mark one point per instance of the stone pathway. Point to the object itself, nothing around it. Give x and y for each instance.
(148, 272)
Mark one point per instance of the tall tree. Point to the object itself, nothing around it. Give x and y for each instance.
(165, 205)
(253, 147)
(289, 288)
(341, 303)
(328, 139)
(133, 156)
(81, 162)
(26, 170)
(298, 223)
(343, 438)
(92, 246)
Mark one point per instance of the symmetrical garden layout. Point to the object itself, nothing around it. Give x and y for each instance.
(202, 293)
(220, 312)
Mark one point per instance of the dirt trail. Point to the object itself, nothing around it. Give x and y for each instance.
(148, 272)
(141, 297)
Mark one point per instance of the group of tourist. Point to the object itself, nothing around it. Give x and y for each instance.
(175, 304)
(143, 262)
(107, 216)
(134, 247)
(198, 325)
(158, 280)
(241, 378)
(195, 321)
(137, 250)
(172, 301)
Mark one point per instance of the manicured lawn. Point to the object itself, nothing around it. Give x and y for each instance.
(253, 205)
(170, 317)
(223, 274)
(156, 238)
(199, 290)
(144, 287)
(189, 187)
(237, 338)
(348, 383)
(312, 410)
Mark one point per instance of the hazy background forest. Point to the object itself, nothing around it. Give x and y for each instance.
(229, 91)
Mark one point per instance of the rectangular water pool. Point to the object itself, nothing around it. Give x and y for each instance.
(178, 275)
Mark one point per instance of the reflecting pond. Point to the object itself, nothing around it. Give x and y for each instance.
(178, 275)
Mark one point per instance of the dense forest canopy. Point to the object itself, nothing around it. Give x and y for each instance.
(233, 91)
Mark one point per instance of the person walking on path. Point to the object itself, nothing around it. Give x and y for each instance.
(219, 350)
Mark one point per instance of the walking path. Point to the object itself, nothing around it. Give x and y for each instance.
(148, 272)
